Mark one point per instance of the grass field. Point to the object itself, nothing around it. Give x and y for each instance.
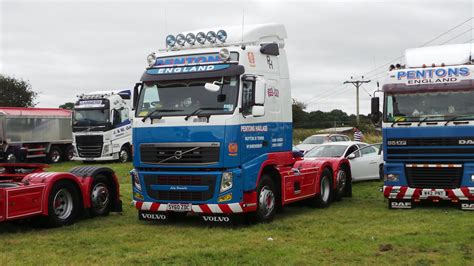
(359, 230)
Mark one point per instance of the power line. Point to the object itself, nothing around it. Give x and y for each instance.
(446, 32)
(457, 36)
(357, 84)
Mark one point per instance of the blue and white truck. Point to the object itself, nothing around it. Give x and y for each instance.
(428, 127)
(213, 130)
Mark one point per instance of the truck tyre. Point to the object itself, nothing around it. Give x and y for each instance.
(68, 153)
(324, 198)
(342, 184)
(63, 204)
(266, 201)
(10, 157)
(124, 154)
(54, 155)
(101, 196)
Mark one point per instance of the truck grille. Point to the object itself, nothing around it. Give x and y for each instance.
(185, 196)
(89, 146)
(425, 149)
(434, 177)
(180, 153)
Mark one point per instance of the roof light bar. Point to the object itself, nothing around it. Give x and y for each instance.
(191, 38)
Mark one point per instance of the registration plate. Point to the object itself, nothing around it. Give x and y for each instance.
(179, 207)
(433, 193)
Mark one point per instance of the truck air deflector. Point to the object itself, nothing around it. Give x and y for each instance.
(180, 73)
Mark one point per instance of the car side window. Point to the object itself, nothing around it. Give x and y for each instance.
(339, 138)
(368, 150)
(352, 149)
(346, 138)
(332, 139)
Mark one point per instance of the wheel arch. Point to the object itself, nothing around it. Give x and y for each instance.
(89, 173)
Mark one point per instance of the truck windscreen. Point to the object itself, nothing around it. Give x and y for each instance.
(90, 117)
(186, 96)
(429, 106)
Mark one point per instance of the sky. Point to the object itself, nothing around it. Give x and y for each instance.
(66, 48)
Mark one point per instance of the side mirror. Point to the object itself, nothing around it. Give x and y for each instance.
(212, 87)
(351, 156)
(260, 87)
(375, 110)
(135, 95)
(258, 110)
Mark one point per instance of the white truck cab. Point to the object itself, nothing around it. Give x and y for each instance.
(102, 127)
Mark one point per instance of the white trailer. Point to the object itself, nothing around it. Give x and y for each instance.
(35, 133)
(102, 126)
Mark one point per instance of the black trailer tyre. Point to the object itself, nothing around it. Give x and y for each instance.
(101, 196)
(124, 154)
(342, 183)
(69, 153)
(54, 155)
(63, 204)
(324, 198)
(266, 200)
(10, 157)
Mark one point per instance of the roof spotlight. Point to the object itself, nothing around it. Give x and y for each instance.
(222, 35)
(201, 37)
(211, 37)
(190, 38)
(151, 58)
(170, 40)
(224, 54)
(180, 39)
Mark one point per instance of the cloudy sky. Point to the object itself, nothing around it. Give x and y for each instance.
(65, 48)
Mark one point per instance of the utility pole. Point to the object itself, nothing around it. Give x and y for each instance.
(357, 84)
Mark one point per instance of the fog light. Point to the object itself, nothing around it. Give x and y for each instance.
(391, 177)
(138, 196)
(226, 181)
(226, 197)
(180, 39)
(201, 37)
(472, 178)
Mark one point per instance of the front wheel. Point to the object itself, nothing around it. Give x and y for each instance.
(342, 184)
(266, 201)
(63, 204)
(124, 155)
(10, 157)
(69, 153)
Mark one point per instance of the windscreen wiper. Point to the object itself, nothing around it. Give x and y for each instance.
(397, 121)
(195, 112)
(455, 117)
(423, 120)
(157, 111)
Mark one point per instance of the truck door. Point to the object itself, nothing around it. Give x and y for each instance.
(255, 135)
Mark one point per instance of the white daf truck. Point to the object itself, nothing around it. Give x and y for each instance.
(102, 127)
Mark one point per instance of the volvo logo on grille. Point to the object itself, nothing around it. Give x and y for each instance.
(178, 155)
(466, 142)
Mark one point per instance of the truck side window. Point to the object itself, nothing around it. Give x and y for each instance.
(248, 95)
(116, 119)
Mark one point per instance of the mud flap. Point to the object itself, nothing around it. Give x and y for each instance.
(399, 204)
(467, 205)
(153, 216)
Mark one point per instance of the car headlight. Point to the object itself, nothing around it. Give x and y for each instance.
(391, 177)
(226, 181)
(136, 179)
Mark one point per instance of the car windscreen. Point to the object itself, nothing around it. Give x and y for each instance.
(314, 140)
(327, 151)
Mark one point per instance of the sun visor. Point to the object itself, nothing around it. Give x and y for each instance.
(192, 72)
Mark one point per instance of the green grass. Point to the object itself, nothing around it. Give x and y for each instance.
(353, 231)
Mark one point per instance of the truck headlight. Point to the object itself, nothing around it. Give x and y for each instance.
(472, 178)
(136, 179)
(226, 181)
(391, 177)
(106, 149)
